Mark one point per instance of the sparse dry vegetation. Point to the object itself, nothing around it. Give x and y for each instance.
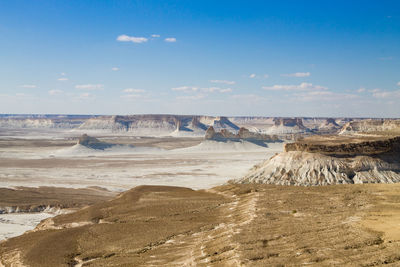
(231, 225)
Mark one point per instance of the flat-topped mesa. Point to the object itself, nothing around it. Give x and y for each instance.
(242, 134)
(371, 126)
(325, 160)
(290, 122)
(336, 145)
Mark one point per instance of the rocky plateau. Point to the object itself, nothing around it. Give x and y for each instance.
(331, 160)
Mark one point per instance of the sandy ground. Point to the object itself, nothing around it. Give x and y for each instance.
(21, 209)
(231, 225)
(38, 158)
(177, 161)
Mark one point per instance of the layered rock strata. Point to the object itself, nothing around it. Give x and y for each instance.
(338, 161)
(371, 126)
(242, 134)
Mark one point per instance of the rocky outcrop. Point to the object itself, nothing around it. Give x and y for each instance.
(329, 125)
(30, 209)
(49, 199)
(331, 160)
(309, 169)
(210, 133)
(92, 142)
(345, 146)
(156, 125)
(287, 126)
(242, 134)
(224, 123)
(191, 126)
(289, 122)
(86, 140)
(371, 126)
(145, 124)
(165, 124)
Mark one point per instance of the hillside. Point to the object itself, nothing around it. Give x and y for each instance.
(231, 225)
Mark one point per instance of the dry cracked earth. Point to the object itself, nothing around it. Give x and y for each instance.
(230, 225)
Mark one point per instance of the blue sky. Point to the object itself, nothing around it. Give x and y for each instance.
(266, 58)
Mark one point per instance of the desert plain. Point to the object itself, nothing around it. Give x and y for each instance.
(117, 199)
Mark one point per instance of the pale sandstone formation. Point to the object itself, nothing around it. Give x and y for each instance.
(345, 146)
(371, 126)
(337, 161)
(242, 134)
(329, 126)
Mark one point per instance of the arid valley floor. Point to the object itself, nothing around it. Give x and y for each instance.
(119, 199)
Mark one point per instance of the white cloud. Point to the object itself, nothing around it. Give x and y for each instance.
(155, 35)
(319, 93)
(383, 94)
(223, 81)
(192, 97)
(226, 90)
(132, 90)
(170, 40)
(132, 96)
(216, 89)
(386, 94)
(115, 69)
(185, 88)
(297, 74)
(55, 92)
(398, 83)
(252, 76)
(266, 76)
(85, 96)
(63, 74)
(20, 94)
(28, 86)
(385, 58)
(133, 39)
(62, 79)
(360, 90)
(89, 86)
(376, 90)
(249, 97)
(300, 87)
(323, 95)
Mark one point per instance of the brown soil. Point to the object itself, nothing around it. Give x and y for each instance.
(345, 145)
(34, 199)
(232, 225)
